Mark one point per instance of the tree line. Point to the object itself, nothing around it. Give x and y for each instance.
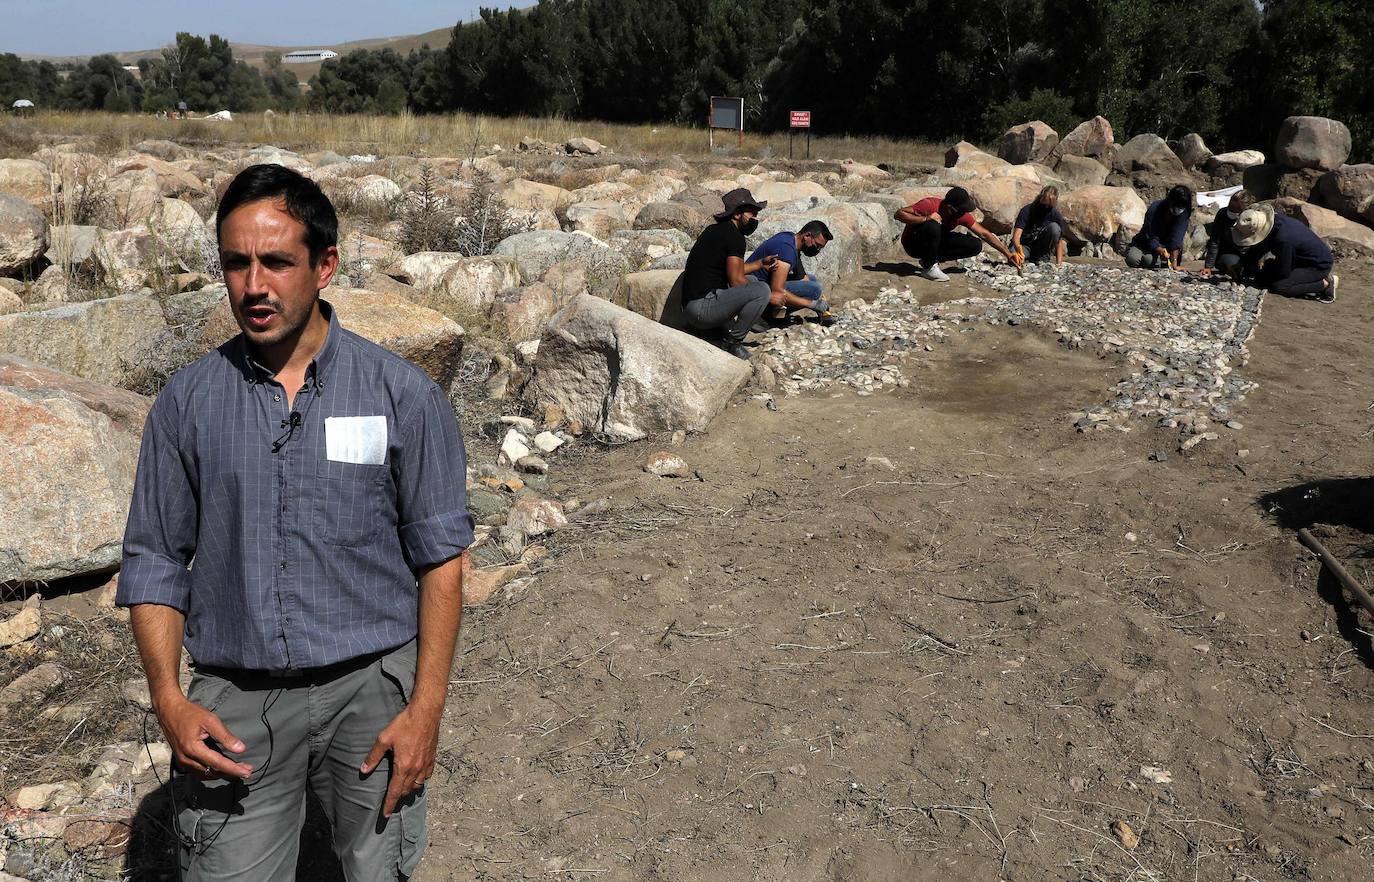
(1228, 69)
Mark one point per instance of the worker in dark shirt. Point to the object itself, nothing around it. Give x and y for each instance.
(718, 294)
(1159, 244)
(1284, 256)
(1222, 251)
(1039, 230)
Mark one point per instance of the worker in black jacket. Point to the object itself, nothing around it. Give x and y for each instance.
(1222, 251)
(1284, 256)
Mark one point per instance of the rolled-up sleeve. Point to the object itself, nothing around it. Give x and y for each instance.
(160, 537)
(431, 485)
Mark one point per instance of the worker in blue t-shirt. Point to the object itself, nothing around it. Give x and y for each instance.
(788, 279)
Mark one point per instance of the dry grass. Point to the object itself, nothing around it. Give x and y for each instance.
(453, 135)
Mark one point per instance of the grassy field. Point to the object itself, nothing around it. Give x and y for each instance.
(450, 135)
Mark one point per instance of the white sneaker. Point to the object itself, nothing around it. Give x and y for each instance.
(1329, 294)
(935, 274)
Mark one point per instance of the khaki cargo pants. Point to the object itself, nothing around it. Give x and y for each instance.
(313, 730)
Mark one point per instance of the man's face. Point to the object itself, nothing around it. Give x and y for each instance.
(272, 286)
(949, 211)
(812, 243)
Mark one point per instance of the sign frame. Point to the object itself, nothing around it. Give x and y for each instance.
(724, 104)
(798, 119)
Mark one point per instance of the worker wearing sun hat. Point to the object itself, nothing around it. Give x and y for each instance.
(1284, 256)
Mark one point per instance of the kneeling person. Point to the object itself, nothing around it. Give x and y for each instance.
(1159, 244)
(788, 278)
(1298, 262)
(1039, 230)
(930, 235)
(718, 294)
(1222, 251)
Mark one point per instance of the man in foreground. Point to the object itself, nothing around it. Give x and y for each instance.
(718, 296)
(930, 237)
(292, 487)
(789, 279)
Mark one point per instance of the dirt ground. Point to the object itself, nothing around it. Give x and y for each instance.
(806, 665)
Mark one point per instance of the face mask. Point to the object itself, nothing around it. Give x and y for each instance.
(1176, 210)
(750, 226)
(1233, 215)
(811, 250)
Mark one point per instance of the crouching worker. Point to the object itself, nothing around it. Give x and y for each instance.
(1283, 256)
(788, 279)
(1159, 244)
(718, 295)
(930, 235)
(1039, 231)
(1223, 254)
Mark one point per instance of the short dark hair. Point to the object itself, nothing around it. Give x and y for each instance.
(1181, 196)
(304, 199)
(960, 200)
(816, 228)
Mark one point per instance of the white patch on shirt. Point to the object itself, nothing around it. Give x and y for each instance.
(359, 439)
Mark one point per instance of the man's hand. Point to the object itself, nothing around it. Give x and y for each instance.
(1206, 271)
(769, 261)
(412, 739)
(777, 298)
(187, 725)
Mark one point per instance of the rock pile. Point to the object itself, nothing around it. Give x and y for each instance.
(1182, 338)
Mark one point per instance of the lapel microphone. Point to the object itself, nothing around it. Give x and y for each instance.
(290, 425)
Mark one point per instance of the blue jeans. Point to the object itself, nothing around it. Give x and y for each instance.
(809, 289)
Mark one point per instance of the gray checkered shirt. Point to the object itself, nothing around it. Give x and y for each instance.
(305, 541)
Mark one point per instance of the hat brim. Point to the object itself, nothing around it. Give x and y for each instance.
(1256, 237)
(743, 206)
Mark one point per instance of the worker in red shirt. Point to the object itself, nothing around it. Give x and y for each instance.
(930, 235)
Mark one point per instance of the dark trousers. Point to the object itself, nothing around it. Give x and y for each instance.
(931, 243)
(1304, 280)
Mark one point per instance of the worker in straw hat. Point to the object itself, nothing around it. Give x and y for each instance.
(1284, 256)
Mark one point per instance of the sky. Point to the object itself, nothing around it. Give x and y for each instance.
(89, 27)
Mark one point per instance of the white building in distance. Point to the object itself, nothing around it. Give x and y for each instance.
(308, 56)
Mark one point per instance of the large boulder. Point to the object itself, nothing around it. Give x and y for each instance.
(71, 447)
(642, 247)
(377, 189)
(72, 246)
(974, 163)
(23, 234)
(706, 202)
(624, 376)
(1349, 191)
(585, 146)
(860, 230)
(527, 195)
(780, 193)
(647, 292)
(1312, 142)
(672, 215)
(536, 251)
(1193, 151)
(97, 340)
(173, 179)
(1147, 153)
(1234, 162)
(126, 258)
(180, 230)
(423, 269)
(600, 217)
(1346, 238)
(1028, 142)
(1089, 138)
(131, 198)
(1271, 181)
(28, 179)
(1080, 171)
(1102, 214)
(470, 285)
(520, 313)
(416, 333)
(1001, 199)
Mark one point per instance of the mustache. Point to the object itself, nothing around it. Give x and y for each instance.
(253, 303)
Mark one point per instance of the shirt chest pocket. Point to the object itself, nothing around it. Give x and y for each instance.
(351, 501)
